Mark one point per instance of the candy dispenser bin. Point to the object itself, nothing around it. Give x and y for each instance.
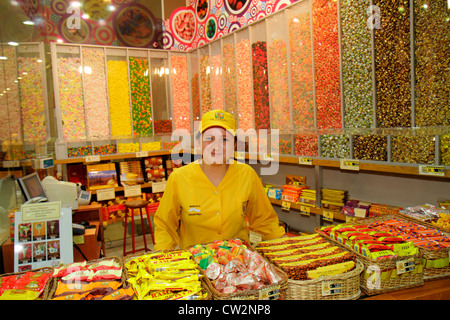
(300, 49)
(118, 93)
(229, 74)
(160, 77)
(140, 94)
(216, 76)
(95, 92)
(194, 84)
(205, 79)
(180, 92)
(68, 76)
(277, 40)
(244, 80)
(260, 76)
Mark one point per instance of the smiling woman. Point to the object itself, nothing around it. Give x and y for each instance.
(215, 198)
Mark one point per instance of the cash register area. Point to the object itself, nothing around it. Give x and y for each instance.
(91, 237)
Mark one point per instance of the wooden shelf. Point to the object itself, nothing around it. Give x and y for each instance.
(313, 210)
(364, 165)
(114, 157)
(143, 185)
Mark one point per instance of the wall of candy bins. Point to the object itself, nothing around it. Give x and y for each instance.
(334, 83)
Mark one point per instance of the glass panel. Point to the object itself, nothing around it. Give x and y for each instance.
(95, 93)
(244, 80)
(180, 92)
(301, 67)
(393, 64)
(326, 62)
(161, 108)
(119, 96)
(195, 85)
(356, 65)
(141, 105)
(205, 79)
(216, 75)
(71, 99)
(229, 74)
(260, 76)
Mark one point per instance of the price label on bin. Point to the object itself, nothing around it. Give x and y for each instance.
(406, 265)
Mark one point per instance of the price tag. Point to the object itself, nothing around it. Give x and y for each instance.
(331, 288)
(254, 237)
(158, 186)
(305, 161)
(305, 210)
(11, 164)
(89, 159)
(141, 154)
(270, 293)
(106, 194)
(132, 191)
(286, 206)
(432, 170)
(406, 265)
(240, 155)
(349, 164)
(327, 215)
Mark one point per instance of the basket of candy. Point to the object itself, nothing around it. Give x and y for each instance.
(433, 244)
(26, 285)
(101, 279)
(317, 269)
(166, 275)
(390, 263)
(236, 271)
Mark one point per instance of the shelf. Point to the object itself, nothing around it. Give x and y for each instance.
(143, 185)
(313, 210)
(364, 165)
(115, 157)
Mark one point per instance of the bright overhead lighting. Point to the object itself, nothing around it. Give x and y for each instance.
(28, 23)
(12, 43)
(75, 4)
(85, 16)
(112, 8)
(3, 58)
(59, 41)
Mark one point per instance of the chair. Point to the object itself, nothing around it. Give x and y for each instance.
(131, 206)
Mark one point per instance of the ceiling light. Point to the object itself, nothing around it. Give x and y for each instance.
(28, 23)
(12, 43)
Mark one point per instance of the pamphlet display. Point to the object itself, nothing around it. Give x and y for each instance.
(43, 236)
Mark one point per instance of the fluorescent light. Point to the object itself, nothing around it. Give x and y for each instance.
(28, 23)
(85, 16)
(59, 41)
(3, 58)
(12, 43)
(112, 8)
(75, 4)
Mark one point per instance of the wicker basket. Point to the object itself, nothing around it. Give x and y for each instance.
(48, 284)
(346, 284)
(53, 283)
(204, 279)
(429, 273)
(373, 268)
(275, 291)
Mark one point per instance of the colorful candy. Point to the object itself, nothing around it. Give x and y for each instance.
(205, 83)
(119, 98)
(301, 71)
(229, 74)
(140, 97)
(94, 90)
(244, 80)
(326, 62)
(180, 92)
(260, 85)
(216, 81)
(71, 98)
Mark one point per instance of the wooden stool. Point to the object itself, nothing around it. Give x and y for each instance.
(131, 205)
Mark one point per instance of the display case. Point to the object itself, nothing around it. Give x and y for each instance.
(260, 76)
(217, 94)
(162, 104)
(180, 91)
(205, 79)
(229, 74)
(245, 117)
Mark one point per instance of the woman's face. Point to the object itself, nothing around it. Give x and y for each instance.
(217, 146)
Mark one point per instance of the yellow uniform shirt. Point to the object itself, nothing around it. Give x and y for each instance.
(193, 211)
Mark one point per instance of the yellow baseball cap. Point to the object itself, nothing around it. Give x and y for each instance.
(218, 118)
